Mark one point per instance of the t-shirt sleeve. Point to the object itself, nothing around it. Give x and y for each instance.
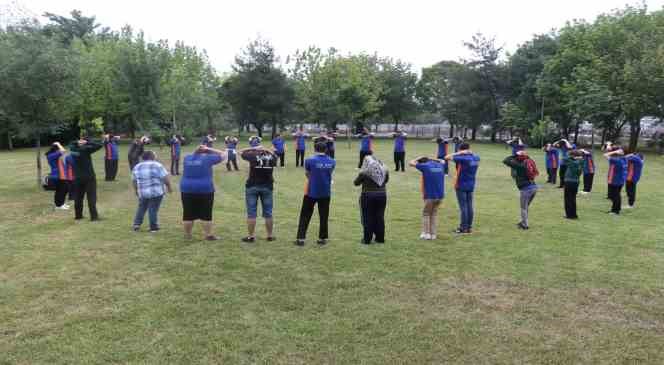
(420, 166)
(307, 165)
(215, 159)
(246, 155)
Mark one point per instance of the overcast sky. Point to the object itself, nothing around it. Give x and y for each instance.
(417, 31)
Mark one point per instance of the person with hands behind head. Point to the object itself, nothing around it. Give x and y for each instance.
(524, 172)
(467, 164)
(588, 171)
(552, 159)
(231, 143)
(399, 150)
(564, 147)
(110, 156)
(85, 179)
(56, 160)
(136, 151)
(575, 166)
(366, 145)
(373, 177)
(148, 179)
(433, 192)
(634, 171)
(616, 176)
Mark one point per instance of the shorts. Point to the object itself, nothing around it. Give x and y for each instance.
(252, 194)
(197, 206)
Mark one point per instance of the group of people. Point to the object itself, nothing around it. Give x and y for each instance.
(73, 173)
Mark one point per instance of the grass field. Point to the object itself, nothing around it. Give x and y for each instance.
(589, 291)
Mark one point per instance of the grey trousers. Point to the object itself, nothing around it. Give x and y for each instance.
(527, 197)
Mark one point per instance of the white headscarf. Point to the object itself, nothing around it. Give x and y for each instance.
(375, 169)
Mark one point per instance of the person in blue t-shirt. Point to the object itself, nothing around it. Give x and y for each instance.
(443, 150)
(457, 143)
(588, 171)
(197, 189)
(300, 146)
(56, 160)
(110, 156)
(317, 191)
(467, 164)
(231, 152)
(433, 192)
(517, 145)
(279, 148)
(552, 159)
(175, 143)
(616, 176)
(330, 139)
(564, 147)
(400, 150)
(208, 140)
(366, 145)
(634, 170)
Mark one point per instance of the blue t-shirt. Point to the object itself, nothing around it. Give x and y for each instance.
(366, 144)
(399, 144)
(197, 174)
(517, 147)
(207, 141)
(433, 179)
(443, 148)
(301, 142)
(57, 167)
(319, 183)
(634, 168)
(589, 164)
(466, 170)
(175, 147)
(278, 144)
(552, 158)
(617, 171)
(111, 150)
(564, 152)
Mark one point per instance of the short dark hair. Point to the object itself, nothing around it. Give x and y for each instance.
(148, 156)
(320, 147)
(464, 146)
(423, 160)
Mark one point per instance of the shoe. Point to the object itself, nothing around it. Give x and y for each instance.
(272, 238)
(584, 193)
(520, 225)
(154, 230)
(629, 207)
(136, 228)
(365, 242)
(212, 238)
(614, 213)
(249, 239)
(423, 236)
(299, 243)
(432, 237)
(459, 231)
(62, 207)
(67, 206)
(322, 242)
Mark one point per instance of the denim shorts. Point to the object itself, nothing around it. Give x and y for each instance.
(252, 194)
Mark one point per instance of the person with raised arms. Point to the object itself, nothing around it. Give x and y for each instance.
(524, 172)
(366, 145)
(399, 150)
(634, 171)
(517, 145)
(148, 179)
(197, 189)
(616, 176)
(300, 146)
(564, 147)
(175, 143)
(231, 143)
(136, 151)
(552, 159)
(56, 160)
(259, 186)
(373, 177)
(575, 166)
(443, 150)
(110, 156)
(331, 138)
(433, 192)
(467, 164)
(588, 171)
(69, 176)
(208, 140)
(279, 148)
(317, 191)
(85, 179)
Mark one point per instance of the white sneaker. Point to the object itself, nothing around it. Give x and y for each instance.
(629, 207)
(62, 207)
(425, 236)
(67, 206)
(584, 193)
(432, 237)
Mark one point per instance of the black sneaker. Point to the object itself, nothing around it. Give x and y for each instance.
(270, 239)
(249, 239)
(458, 231)
(522, 226)
(299, 243)
(322, 241)
(136, 228)
(154, 230)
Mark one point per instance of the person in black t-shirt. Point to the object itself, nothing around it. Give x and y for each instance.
(259, 185)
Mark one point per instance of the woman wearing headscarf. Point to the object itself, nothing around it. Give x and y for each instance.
(373, 177)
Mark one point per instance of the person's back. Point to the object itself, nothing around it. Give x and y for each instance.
(433, 179)
(149, 176)
(81, 154)
(197, 174)
(634, 168)
(278, 144)
(466, 172)
(617, 171)
(574, 169)
(261, 167)
(319, 168)
(369, 185)
(519, 171)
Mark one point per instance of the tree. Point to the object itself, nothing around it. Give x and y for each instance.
(69, 29)
(399, 89)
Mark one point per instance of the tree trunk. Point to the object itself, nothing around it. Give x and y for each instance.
(10, 144)
(592, 137)
(603, 136)
(451, 129)
(493, 135)
(473, 134)
(39, 162)
(635, 131)
(274, 128)
(576, 133)
(396, 125)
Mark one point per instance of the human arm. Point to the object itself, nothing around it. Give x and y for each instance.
(460, 153)
(511, 161)
(167, 182)
(359, 179)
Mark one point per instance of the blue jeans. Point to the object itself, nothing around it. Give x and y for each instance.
(262, 192)
(151, 205)
(465, 199)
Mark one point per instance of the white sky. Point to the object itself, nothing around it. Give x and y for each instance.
(417, 31)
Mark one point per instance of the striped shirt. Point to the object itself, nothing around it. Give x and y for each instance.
(149, 177)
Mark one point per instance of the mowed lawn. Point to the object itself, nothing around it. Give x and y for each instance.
(588, 291)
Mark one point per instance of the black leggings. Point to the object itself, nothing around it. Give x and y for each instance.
(630, 188)
(400, 160)
(61, 189)
(551, 176)
(175, 165)
(308, 210)
(372, 208)
(588, 182)
(282, 157)
(614, 195)
(571, 189)
(363, 154)
(561, 175)
(86, 186)
(111, 169)
(299, 158)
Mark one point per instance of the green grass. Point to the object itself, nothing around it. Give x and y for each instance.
(564, 292)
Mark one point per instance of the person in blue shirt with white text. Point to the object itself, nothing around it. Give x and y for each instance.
(317, 191)
(467, 164)
(433, 191)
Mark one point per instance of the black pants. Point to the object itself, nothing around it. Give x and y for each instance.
(363, 154)
(571, 189)
(111, 169)
(561, 175)
(330, 153)
(175, 165)
(551, 176)
(308, 210)
(72, 190)
(372, 208)
(614, 195)
(630, 188)
(282, 158)
(299, 158)
(132, 164)
(446, 168)
(61, 188)
(588, 182)
(400, 161)
(86, 186)
(232, 160)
